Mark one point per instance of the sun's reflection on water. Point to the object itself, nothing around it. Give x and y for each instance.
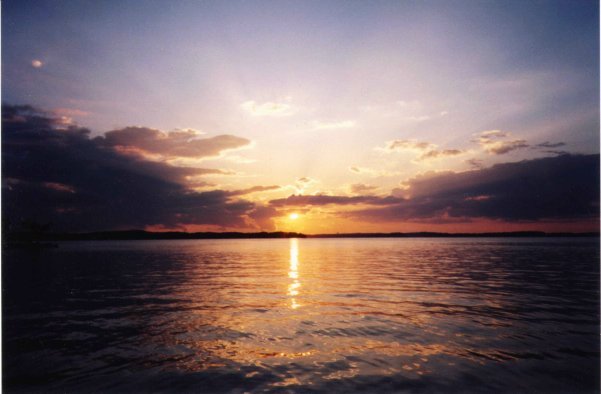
(293, 287)
(366, 313)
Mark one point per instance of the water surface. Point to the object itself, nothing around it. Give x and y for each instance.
(303, 315)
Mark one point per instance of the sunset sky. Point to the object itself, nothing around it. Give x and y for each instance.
(310, 116)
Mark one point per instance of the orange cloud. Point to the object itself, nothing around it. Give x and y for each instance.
(180, 143)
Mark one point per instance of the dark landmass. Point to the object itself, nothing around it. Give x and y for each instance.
(25, 237)
(144, 235)
(513, 234)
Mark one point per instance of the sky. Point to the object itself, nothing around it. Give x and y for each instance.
(310, 116)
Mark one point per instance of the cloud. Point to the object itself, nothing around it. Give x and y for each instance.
(562, 187)
(495, 142)
(268, 108)
(400, 191)
(305, 180)
(361, 188)
(547, 147)
(548, 144)
(69, 112)
(371, 172)
(557, 152)
(322, 199)
(475, 163)
(427, 150)
(262, 217)
(61, 187)
(553, 188)
(437, 154)
(409, 113)
(302, 184)
(334, 125)
(179, 143)
(61, 175)
(407, 145)
(55, 172)
(253, 189)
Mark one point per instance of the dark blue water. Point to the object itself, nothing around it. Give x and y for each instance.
(307, 315)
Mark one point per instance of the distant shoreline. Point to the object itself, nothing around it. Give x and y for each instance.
(148, 235)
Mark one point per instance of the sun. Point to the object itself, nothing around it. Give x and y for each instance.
(293, 216)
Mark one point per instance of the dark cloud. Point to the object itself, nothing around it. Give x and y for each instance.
(557, 152)
(321, 199)
(548, 144)
(547, 147)
(263, 217)
(304, 182)
(565, 187)
(495, 142)
(562, 187)
(253, 189)
(57, 173)
(436, 154)
(179, 143)
(475, 163)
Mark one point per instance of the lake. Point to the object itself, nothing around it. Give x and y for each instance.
(450, 315)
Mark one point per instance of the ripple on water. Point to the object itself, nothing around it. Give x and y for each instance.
(342, 315)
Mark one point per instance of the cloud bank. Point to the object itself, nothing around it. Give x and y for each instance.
(554, 188)
(563, 187)
(58, 174)
(55, 172)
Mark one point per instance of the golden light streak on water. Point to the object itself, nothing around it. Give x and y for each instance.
(293, 274)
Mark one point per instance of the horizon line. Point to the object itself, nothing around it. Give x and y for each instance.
(137, 234)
